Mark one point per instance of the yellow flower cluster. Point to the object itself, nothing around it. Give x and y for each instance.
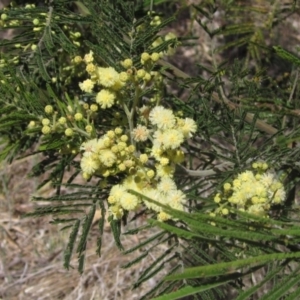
(251, 191)
(163, 191)
(108, 155)
(149, 151)
(108, 79)
(112, 154)
(170, 133)
(145, 145)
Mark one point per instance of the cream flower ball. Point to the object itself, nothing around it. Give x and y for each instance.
(107, 77)
(162, 117)
(105, 98)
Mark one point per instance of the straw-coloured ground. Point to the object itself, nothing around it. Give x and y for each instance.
(31, 251)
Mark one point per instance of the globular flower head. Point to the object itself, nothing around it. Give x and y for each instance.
(31, 124)
(129, 201)
(158, 139)
(156, 152)
(88, 128)
(107, 77)
(162, 117)
(62, 120)
(69, 132)
(49, 109)
(189, 127)
(127, 63)
(45, 121)
(107, 157)
(77, 59)
(246, 176)
(166, 185)
(123, 77)
(78, 116)
(140, 73)
(105, 98)
(90, 68)
(94, 107)
(176, 197)
(89, 147)
(172, 139)
(155, 56)
(87, 86)
(143, 158)
(46, 129)
(140, 133)
(144, 57)
(117, 191)
(89, 165)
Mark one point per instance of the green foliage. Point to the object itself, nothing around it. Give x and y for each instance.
(245, 110)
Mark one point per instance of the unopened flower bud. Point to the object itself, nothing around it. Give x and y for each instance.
(36, 22)
(46, 129)
(62, 120)
(150, 173)
(124, 138)
(88, 128)
(118, 130)
(164, 161)
(45, 121)
(77, 59)
(78, 116)
(94, 107)
(155, 56)
(147, 77)
(48, 109)
(123, 76)
(69, 132)
(225, 211)
(31, 124)
(130, 149)
(4, 17)
(145, 56)
(127, 63)
(140, 73)
(122, 167)
(143, 158)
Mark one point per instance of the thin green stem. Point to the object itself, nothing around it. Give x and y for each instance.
(75, 128)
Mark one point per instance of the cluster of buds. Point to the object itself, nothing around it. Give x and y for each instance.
(254, 192)
(108, 155)
(70, 122)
